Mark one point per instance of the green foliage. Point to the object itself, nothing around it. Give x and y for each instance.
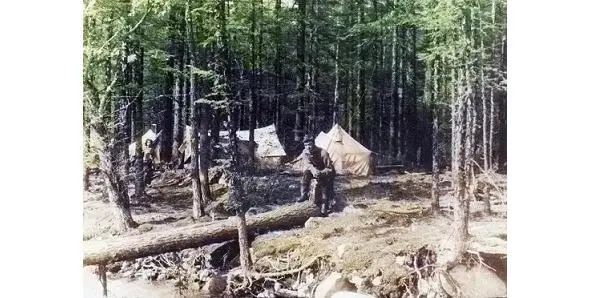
(451, 34)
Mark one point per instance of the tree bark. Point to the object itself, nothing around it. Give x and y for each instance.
(178, 128)
(111, 164)
(301, 70)
(433, 91)
(402, 100)
(278, 66)
(360, 91)
(204, 154)
(245, 260)
(459, 179)
(198, 205)
(139, 128)
(169, 98)
(152, 243)
(253, 90)
(392, 144)
(337, 95)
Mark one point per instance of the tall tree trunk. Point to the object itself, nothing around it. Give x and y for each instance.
(501, 156)
(125, 107)
(278, 67)
(111, 159)
(204, 153)
(253, 91)
(139, 127)
(87, 149)
(301, 70)
(393, 115)
(260, 103)
(347, 101)
(114, 156)
(360, 92)
(432, 90)
(400, 86)
(459, 179)
(198, 206)
(187, 82)
(411, 132)
(491, 126)
(178, 128)
(167, 119)
(312, 76)
(374, 123)
(223, 69)
(483, 97)
(335, 113)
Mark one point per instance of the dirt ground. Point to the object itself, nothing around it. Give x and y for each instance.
(385, 216)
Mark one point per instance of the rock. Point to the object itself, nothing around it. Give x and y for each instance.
(345, 294)
(145, 228)
(341, 250)
(377, 281)
(400, 260)
(161, 277)
(352, 210)
(215, 286)
(478, 281)
(204, 274)
(357, 280)
(313, 222)
(303, 290)
(332, 284)
(310, 278)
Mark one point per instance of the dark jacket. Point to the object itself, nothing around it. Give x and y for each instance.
(319, 159)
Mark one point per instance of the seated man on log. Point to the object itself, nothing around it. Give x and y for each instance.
(317, 165)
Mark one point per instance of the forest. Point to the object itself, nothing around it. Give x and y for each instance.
(419, 83)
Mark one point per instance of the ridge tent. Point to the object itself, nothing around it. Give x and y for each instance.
(348, 155)
(269, 152)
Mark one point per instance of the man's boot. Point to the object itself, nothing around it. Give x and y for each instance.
(325, 207)
(304, 193)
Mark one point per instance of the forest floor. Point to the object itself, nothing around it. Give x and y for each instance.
(385, 216)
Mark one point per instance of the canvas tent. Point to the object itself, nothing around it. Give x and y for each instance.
(149, 135)
(269, 151)
(348, 155)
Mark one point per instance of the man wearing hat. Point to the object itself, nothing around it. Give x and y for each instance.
(317, 165)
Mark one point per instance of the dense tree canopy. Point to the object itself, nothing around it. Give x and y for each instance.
(392, 65)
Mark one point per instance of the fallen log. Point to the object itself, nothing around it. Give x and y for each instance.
(153, 243)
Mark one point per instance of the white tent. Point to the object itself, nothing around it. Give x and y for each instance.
(347, 155)
(269, 150)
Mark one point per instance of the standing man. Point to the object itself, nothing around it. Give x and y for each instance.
(149, 162)
(317, 165)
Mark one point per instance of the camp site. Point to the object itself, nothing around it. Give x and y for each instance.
(295, 149)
